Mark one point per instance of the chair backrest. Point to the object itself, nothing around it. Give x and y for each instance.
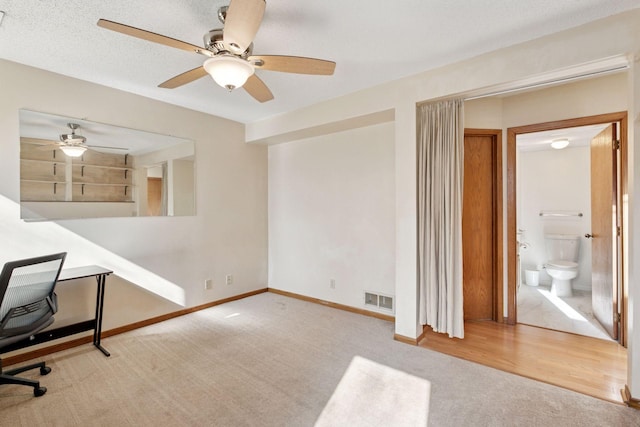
(27, 298)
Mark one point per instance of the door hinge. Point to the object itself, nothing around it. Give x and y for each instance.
(619, 230)
(618, 317)
(616, 144)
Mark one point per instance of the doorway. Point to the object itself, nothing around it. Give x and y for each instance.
(156, 190)
(608, 189)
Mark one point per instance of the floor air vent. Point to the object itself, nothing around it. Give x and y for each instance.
(379, 301)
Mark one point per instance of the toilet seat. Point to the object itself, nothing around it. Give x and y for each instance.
(562, 265)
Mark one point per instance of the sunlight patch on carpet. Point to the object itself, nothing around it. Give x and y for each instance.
(371, 394)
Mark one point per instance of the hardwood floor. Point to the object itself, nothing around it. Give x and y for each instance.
(583, 364)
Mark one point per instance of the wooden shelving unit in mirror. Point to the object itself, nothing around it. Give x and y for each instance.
(48, 175)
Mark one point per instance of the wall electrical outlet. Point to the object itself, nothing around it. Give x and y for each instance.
(229, 279)
(332, 283)
(208, 284)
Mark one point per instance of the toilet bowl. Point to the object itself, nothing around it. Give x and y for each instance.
(561, 272)
(563, 254)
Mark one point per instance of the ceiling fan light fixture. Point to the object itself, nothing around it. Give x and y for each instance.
(73, 150)
(559, 144)
(229, 71)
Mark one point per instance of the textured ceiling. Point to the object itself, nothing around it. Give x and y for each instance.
(372, 41)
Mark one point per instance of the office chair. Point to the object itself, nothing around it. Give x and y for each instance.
(27, 306)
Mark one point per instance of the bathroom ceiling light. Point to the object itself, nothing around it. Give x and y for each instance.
(559, 144)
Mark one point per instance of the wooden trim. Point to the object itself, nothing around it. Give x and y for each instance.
(512, 275)
(122, 329)
(570, 123)
(623, 208)
(425, 330)
(412, 341)
(499, 259)
(498, 266)
(628, 400)
(406, 340)
(620, 117)
(41, 352)
(334, 305)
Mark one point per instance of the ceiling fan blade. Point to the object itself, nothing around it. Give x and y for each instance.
(256, 88)
(293, 64)
(241, 23)
(184, 78)
(152, 37)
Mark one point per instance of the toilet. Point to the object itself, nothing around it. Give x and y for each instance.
(562, 252)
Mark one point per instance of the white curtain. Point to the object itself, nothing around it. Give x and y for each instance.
(440, 179)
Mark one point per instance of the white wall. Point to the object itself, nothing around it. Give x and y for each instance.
(183, 187)
(331, 215)
(36, 211)
(160, 263)
(588, 97)
(632, 256)
(554, 180)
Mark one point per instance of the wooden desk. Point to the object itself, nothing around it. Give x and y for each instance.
(100, 274)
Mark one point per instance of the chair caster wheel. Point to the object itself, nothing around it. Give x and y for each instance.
(45, 370)
(39, 391)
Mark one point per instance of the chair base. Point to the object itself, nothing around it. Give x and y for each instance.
(8, 377)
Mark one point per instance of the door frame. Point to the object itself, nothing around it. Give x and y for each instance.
(512, 133)
(497, 218)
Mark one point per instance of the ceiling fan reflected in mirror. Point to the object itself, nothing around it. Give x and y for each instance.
(74, 145)
(231, 62)
(71, 144)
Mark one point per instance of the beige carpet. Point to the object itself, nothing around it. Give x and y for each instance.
(269, 360)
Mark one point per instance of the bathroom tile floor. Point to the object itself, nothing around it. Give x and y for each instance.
(537, 307)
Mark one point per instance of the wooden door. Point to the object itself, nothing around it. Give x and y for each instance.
(478, 237)
(154, 196)
(604, 223)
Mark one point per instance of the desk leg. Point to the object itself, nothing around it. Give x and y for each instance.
(97, 330)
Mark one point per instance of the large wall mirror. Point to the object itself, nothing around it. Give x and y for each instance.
(74, 168)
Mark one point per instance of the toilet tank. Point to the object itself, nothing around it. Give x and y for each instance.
(563, 247)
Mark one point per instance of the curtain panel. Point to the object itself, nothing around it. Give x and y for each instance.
(440, 180)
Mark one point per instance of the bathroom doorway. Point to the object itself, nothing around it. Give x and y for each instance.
(550, 192)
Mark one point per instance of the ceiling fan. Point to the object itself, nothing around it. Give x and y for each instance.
(231, 62)
(74, 145)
